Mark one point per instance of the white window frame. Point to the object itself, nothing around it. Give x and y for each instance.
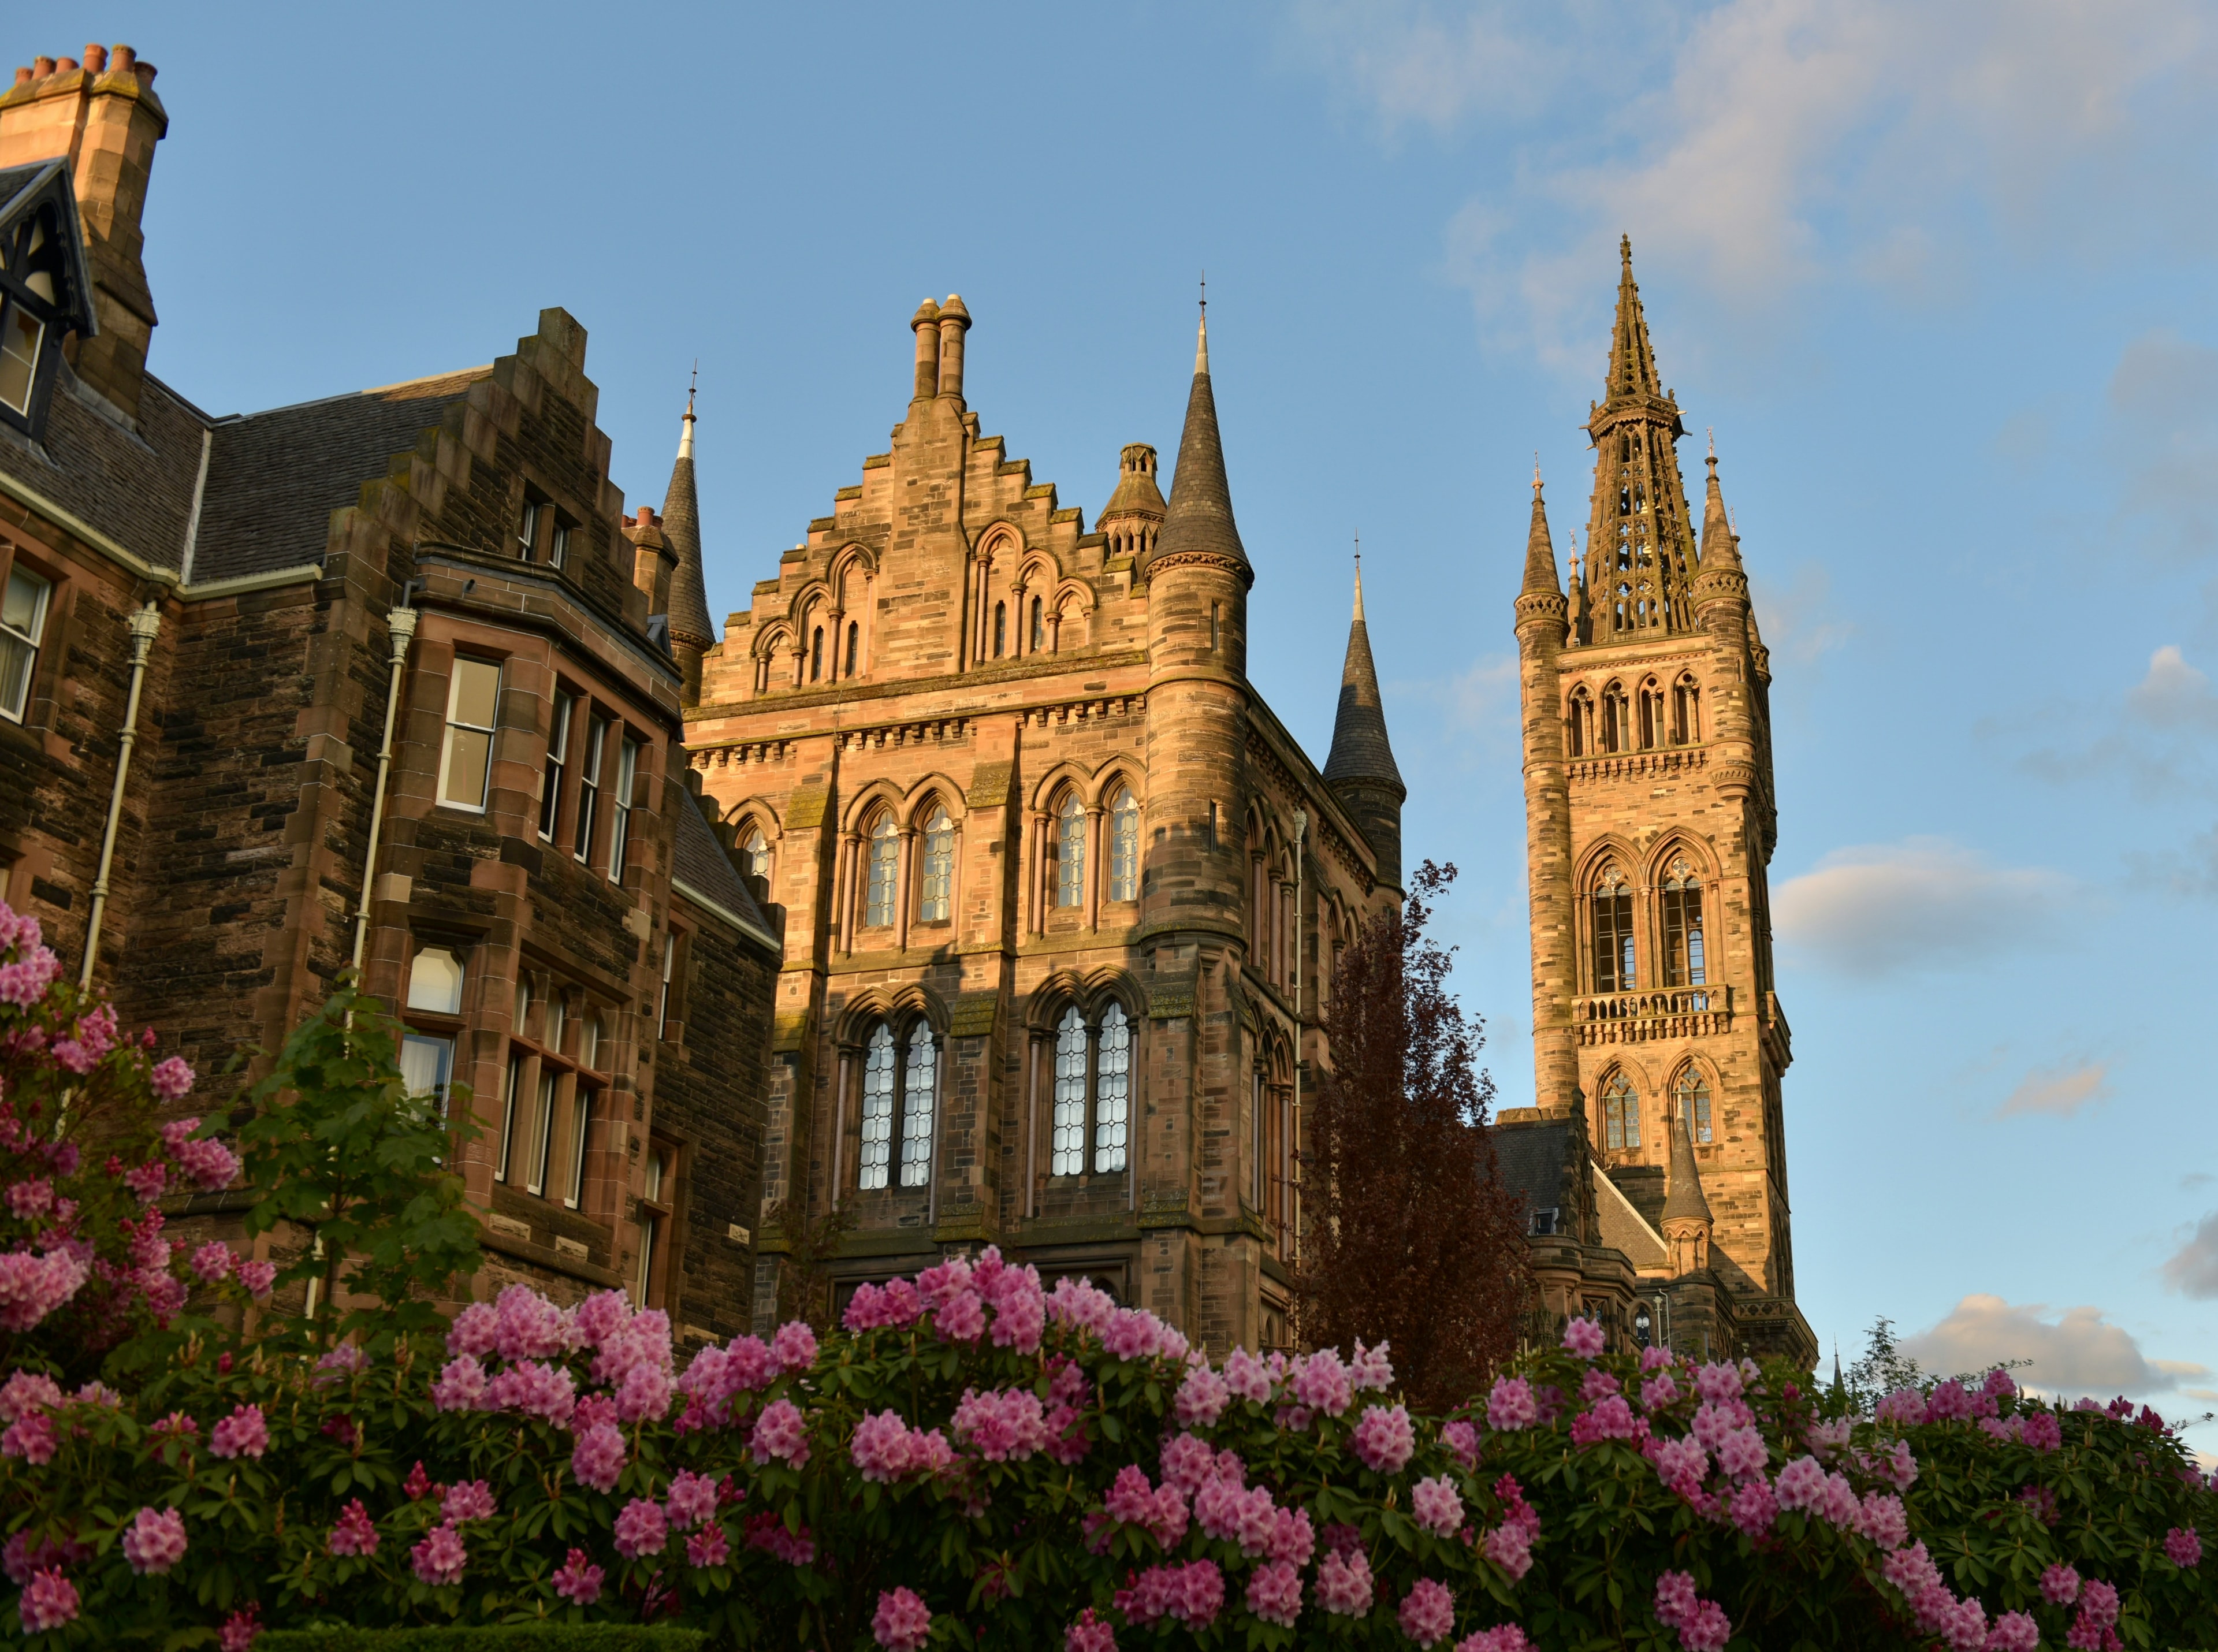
(516, 1061)
(581, 1117)
(627, 755)
(558, 753)
(662, 999)
(24, 643)
(489, 730)
(9, 311)
(589, 784)
(527, 530)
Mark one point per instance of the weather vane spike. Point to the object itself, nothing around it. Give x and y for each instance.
(1205, 288)
(1713, 431)
(693, 387)
(1536, 470)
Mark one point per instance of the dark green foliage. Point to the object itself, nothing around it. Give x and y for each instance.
(504, 1637)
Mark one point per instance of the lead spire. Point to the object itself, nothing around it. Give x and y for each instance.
(1539, 549)
(691, 635)
(1360, 768)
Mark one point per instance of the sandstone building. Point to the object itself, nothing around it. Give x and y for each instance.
(1654, 1156)
(1061, 896)
(386, 679)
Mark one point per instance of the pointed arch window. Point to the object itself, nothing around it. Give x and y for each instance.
(1614, 954)
(936, 887)
(1067, 1157)
(1579, 739)
(1620, 1114)
(1616, 720)
(854, 643)
(1039, 625)
(1686, 711)
(883, 856)
(1125, 846)
(1092, 1103)
(1651, 714)
(1070, 852)
(1694, 1106)
(1000, 629)
(754, 853)
(900, 1096)
(816, 653)
(1684, 964)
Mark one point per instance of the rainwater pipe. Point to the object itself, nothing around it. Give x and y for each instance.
(401, 624)
(144, 623)
(1294, 1145)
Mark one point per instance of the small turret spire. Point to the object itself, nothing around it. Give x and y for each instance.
(1199, 521)
(1361, 769)
(1721, 545)
(1201, 333)
(1683, 1197)
(690, 632)
(1539, 549)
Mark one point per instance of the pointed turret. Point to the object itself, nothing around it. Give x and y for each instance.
(691, 635)
(1133, 518)
(1641, 550)
(1539, 549)
(1199, 522)
(1362, 770)
(1686, 1219)
(1721, 548)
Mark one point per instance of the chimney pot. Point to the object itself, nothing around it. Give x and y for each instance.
(646, 515)
(41, 67)
(64, 65)
(96, 57)
(145, 72)
(121, 59)
(23, 75)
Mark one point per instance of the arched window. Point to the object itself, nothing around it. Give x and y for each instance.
(1125, 846)
(816, 653)
(1001, 628)
(936, 887)
(1683, 964)
(1067, 1155)
(1039, 625)
(1695, 1103)
(920, 1089)
(1089, 1129)
(1651, 714)
(1579, 725)
(754, 853)
(854, 642)
(1613, 952)
(1616, 720)
(900, 1100)
(884, 853)
(1620, 1113)
(1070, 852)
(1687, 711)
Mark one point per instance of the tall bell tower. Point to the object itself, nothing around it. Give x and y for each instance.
(1650, 828)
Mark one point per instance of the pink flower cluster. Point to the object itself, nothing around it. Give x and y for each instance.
(1003, 1426)
(1503, 1637)
(959, 1294)
(1162, 1511)
(885, 1448)
(1511, 1404)
(1702, 1624)
(441, 1558)
(1344, 1584)
(1509, 1545)
(2183, 1547)
(356, 1532)
(781, 1433)
(154, 1541)
(1192, 1594)
(1385, 1439)
(578, 1580)
(243, 1433)
(641, 1529)
(1436, 1506)
(902, 1621)
(1583, 1339)
(1427, 1614)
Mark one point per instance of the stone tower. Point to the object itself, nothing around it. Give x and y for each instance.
(1650, 825)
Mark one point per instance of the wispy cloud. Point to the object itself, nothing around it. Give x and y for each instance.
(2168, 429)
(2078, 1350)
(2192, 1270)
(1801, 620)
(2156, 736)
(1924, 903)
(2059, 1091)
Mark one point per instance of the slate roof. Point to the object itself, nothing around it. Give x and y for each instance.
(1199, 518)
(1623, 1227)
(699, 862)
(681, 524)
(136, 488)
(275, 478)
(1530, 1159)
(1360, 749)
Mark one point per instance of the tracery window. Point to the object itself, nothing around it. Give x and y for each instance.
(1615, 955)
(754, 853)
(900, 1095)
(1651, 714)
(1683, 963)
(882, 859)
(1125, 846)
(1695, 1103)
(1069, 851)
(936, 887)
(1616, 720)
(1686, 711)
(1620, 1113)
(1091, 1104)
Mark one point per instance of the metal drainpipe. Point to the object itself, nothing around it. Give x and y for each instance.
(1301, 837)
(144, 623)
(401, 621)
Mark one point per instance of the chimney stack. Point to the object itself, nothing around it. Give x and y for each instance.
(104, 119)
(954, 322)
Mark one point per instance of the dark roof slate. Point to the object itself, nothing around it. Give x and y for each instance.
(134, 487)
(1199, 517)
(1530, 1159)
(1360, 749)
(681, 524)
(276, 477)
(698, 861)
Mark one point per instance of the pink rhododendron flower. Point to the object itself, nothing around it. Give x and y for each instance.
(2183, 1546)
(1682, 1464)
(2098, 1603)
(708, 1547)
(1384, 1439)
(1428, 1612)
(243, 1433)
(902, 1621)
(1090, 1634)
(356, 1532)
(2060, 1584)
(1343, 1584)
(693, 1499)
(578, 1580)
(781, 1431)
(467, 1499)
(1079, 1304)
(1597, 1384)
(27, 1392)
(1372, 1370)
(1274, 1594)
(1322, 1383)
(960, 1318)
(1742, 1452)
(1611, 1420)
(441, 1558)
(208, 1164)
(460, 1385)
(1948, 1402)
(2014, 1631)
(1658, 1391)
(1801, 1483)
(1461, 1441)
(171, 1081)
(32, 1287)
(641, 1529)
(30, 1199)
(31, 1437)
(1753, 1508)
(598, 1456)
(50, 1599)
(1001, 1426)
(534, 1388)
(1503, 1638)
(1904, 1404)
(1247, 1377)
(155, 1540)
(1436, 1506)
(1964, 1626)
(2039, 1430)
(259, 1278)
(1585, 1338)
(1509, 1546)
(1201, 1398)
(794, 1346)
(1884, 1520)
(1509, 1404)
(1293, 1539)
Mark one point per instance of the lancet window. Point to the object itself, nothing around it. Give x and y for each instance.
(1684, 964)
(1694, 1106)
(936, 884)
(1125, 846)
(882, 873)
(1614, 953)
(1092, 1103)
(899, 1097)
(1686, 711)
(1616, 720)
(1068, 830)
(1620, 1114)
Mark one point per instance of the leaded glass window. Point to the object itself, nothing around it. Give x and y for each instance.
(919, 1090)
(877, 1107)
(1070, 852)
(1620, 1113)
(1124, 848)
(883, 852)
(1695, 1103)
(936, 890)
(1683, 964)
(1068, 1155)
(1112, 1090)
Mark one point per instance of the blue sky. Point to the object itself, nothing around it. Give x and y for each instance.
(1938, 277)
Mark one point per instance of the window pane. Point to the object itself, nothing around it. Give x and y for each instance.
(558, 746)
(878, 896)
(19, 357)
(17, 659)
(1112, 1091)
(435, 982)
(877, 1109)
(1067, 1156)
(918, 1095)
(755, 853)
(469, 757)
(1070, 854)
(508, 1099)
(1125, 849)
(24, 609)
(934, 897)
(425, 1063)
(1694, 925)
(476, 693)
(581, 1114)
(542, 1135)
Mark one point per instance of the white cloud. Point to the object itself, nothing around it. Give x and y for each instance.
(1924, 903)
(2077, 1352)
(1800, 621)
(2193, 1269)
(2061, 1091)
(2174, 694)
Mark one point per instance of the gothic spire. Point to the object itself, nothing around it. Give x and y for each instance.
(1721, 545)
(1539, 549)
(1640, 549)
(681, 522)
(1682, 1194)
(1361, 750)
(1199, 522)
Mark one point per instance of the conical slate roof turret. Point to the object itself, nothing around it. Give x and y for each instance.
(1720, 550)
(1360, 749)
(1539, 549)
(1199, 522)
(681, 523)
(1683, 1197)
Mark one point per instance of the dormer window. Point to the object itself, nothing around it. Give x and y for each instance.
(45, 293)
